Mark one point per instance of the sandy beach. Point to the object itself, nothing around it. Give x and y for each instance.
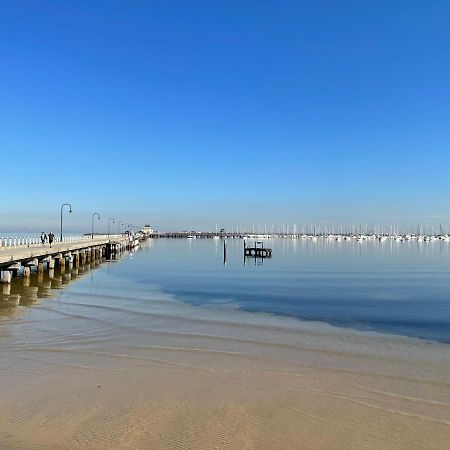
(79, 373)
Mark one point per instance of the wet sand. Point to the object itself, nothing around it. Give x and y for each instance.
(90, 369)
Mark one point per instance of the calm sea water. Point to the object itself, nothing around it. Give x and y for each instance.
(398, 288)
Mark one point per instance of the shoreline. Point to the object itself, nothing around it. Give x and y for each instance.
(44, 287)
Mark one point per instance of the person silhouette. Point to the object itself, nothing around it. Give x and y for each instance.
(51, 238)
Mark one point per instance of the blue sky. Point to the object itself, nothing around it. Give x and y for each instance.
(187, 114)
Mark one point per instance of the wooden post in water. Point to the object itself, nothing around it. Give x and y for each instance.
(224, 252)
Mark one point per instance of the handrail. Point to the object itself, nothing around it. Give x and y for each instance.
(33, 241)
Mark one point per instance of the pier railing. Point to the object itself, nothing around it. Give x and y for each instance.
(33, 241)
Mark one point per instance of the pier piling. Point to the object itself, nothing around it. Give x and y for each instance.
(5, 276)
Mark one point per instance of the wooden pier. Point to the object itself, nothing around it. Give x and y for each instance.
(258, 251)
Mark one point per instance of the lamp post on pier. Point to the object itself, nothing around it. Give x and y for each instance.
(70, 210)
(109, 225)
(98, 218)
(118, 226)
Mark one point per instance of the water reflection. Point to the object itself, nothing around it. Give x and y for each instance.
(26, 291)
(255, 260)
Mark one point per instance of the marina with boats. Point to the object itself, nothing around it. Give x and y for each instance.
(362, 236)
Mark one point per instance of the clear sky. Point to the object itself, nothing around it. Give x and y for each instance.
(190, 113)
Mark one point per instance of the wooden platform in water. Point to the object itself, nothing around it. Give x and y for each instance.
(258, 251)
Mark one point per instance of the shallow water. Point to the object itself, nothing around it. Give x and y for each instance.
(398, 288)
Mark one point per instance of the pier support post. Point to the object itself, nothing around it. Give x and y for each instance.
(14, 269)
(51, 263)
(40, 267)
(62, 262)
(26, 272)
(5, 276)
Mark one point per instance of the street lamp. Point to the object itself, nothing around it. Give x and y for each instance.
(127, 226)
(109, 225)
(118, 226)
(98, 218)
(70, 210)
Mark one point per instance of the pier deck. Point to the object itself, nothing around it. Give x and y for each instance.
(10, 255)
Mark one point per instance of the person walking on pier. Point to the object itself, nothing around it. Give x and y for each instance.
(43, 238)
(51, 237)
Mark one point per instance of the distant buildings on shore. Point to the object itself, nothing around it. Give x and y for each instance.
(147, 229)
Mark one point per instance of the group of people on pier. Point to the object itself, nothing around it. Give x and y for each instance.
(47, 238)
